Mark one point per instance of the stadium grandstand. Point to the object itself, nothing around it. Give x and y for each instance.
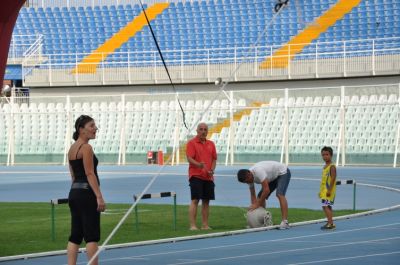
(69, 45)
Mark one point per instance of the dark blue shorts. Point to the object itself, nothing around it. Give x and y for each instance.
(280, 184)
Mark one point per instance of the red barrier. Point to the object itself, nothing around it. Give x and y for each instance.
(8, 16)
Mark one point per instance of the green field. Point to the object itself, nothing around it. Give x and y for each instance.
(26, 227)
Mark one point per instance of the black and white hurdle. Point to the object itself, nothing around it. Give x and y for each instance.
(54, 202)
(153, 196)
(349, 182)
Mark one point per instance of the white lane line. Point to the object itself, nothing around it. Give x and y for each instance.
(286, 251)
(260, 242)
(348, 258)
(322, 242)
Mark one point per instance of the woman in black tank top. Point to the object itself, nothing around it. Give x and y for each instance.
(85, 199)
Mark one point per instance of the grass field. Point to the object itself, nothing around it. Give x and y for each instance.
(26, 227)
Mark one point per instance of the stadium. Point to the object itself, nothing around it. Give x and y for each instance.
(273, 80)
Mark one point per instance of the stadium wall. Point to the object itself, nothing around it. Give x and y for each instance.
(116, 90)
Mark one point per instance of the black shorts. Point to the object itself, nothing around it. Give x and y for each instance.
(201, 189)
(85, 219)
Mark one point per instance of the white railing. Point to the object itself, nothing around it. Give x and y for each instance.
(22, 45)
(92, 3)
(33, 56)
(318, 60)
(359, 122)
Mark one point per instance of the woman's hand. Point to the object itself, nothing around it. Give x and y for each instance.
(101, 205)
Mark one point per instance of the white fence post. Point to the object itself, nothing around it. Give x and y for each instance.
(77, 70)
(255, 62)
(50, 77)
(129, 69)
(182, 67)
(373, 57)
(68, 134)
(122, 139)
(396, 148)
(11, 135)
(344, 59)
(316, 60)
(155, 68)
(289, 76)
(285, 136)
(235, 55)
(208, 65)
(341, 149)
(102, 69)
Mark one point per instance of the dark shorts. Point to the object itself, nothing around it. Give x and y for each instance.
(328, 203)
(85, 219)
(201, 189)
(280, 184)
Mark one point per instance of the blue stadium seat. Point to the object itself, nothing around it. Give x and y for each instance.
(203, 24)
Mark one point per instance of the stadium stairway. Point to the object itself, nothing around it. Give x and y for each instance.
(237, 116)
(90, 62)
(216, 128)
(296, 45)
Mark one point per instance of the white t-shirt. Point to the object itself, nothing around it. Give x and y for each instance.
(267, 170)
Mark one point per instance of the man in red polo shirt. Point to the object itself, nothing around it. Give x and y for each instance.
(202, 157)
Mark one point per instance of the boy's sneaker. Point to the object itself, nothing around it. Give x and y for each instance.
(284, 225)
(328, 227)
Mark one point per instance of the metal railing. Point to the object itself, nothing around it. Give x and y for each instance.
(360, 122)
(317, 60)
(22, 46)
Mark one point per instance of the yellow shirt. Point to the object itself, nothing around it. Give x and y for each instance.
(325, 184)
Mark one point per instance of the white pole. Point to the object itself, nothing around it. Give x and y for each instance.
(235, 64)
(255, 62)
(339, 145)
(373, 57)
(176, 132)
(232, 128)
(343, 118)
(344, 59)
(50, 78)
(270, 56)
(341, 138)
(10, 157)
(285, 140)
(230, 133)
(122, 145)
(129, 69)
(77, 69)
(182, 72)
(155, 68)
(287, 126)
(68, 130)
(289, 77)
(396, 148)
(228, 147)
(316, 60)
(102, 69)
(208, 65)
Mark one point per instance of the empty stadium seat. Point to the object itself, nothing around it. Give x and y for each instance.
(88, 26)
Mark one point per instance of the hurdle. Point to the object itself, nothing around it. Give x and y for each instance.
(54, 202)
(349, 182)
(152, 196)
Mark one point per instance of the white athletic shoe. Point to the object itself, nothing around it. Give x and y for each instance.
(284, 225)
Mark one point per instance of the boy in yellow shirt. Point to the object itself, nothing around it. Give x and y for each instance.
(327, 191)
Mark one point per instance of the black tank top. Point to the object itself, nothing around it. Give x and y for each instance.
(79, 169)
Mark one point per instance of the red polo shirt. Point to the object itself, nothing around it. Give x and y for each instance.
(201, 152)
